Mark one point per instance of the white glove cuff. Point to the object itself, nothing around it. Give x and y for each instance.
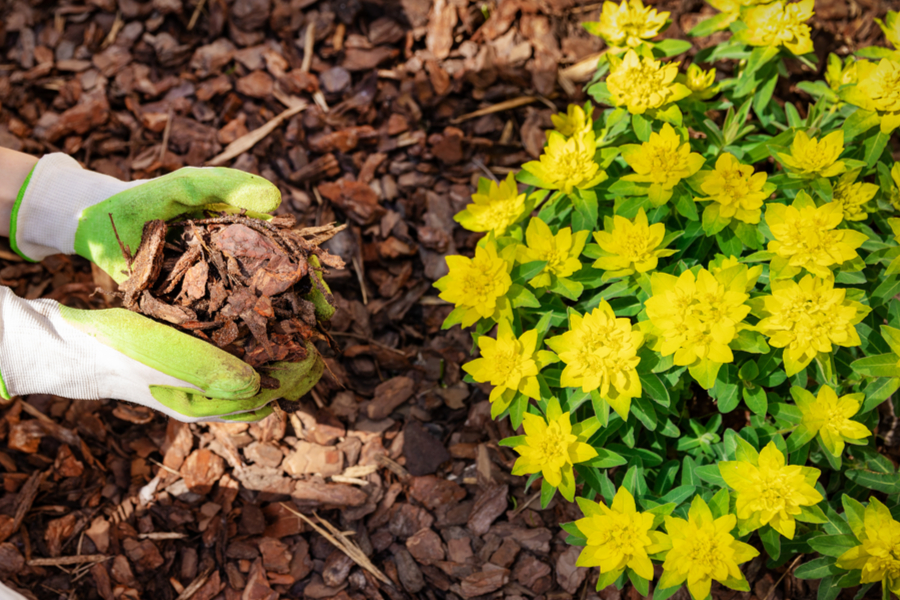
(40, 353)
(46, 217)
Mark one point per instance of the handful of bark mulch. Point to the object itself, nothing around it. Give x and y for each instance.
(241, 283)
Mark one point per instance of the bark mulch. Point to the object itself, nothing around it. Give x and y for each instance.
(388, 482)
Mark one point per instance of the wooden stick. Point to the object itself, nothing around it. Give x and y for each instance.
(340, 541)
(247, 141)
(499, 107)
(67, 560)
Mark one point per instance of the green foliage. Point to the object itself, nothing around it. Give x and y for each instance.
(706, 292)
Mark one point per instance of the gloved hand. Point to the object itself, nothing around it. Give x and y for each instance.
(48, 348)
(91, 354)
(63, 208)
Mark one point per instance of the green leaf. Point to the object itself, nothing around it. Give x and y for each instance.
(665, 594)
(880, 482)
(522, 273)
(567, 288)
(880, 365)
(703, 29)
(833, 545)
(858, 123)
(586, 210)
(750, 341)
(710, 474)
(729, 244)
(874, 146)
(684, 204)
(547, 493)
(756, 399)
(712, 221)
(817, 568)
(628, 188)
(654, 388)
(520, 296)
(718, 505)
(672, 47)
(771, 540)
(642, 127)
(878, 391)
(641, 585)
(828, 589)
(643, 410)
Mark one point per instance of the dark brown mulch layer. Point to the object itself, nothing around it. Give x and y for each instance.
(368, 106)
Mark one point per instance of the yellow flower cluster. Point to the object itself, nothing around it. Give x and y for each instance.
(496, 206)
(877, 89)
(560, 251)
(769, 492)
(703, 551)
(878, 554)
(778, 24)
(695, 317)
(811, 157)
(551, 447)
(662, 162)
(806, 238)
(807, 319)
(478, 286)
(567, 163)
(853, 196)
(630, 246)
(510, 364)
(600, 353)
(628, 24)
(829, 417)
(642, 84)
(736, 190)
(619, 536)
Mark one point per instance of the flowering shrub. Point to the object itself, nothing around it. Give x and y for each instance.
(688, 306)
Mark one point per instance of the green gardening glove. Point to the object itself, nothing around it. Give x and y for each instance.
(63, 208)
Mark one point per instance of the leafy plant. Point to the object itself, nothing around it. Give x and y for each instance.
(695, 309)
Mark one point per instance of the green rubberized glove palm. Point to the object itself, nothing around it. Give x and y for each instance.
(166, 197)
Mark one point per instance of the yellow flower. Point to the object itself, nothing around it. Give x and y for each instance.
(478, 286)
(806, 238)
(811, 157)
(600, 353)
(852, 196)
(877, 89)
(837, 74)
(779, 24)
(736, 188)
(567, 164)
(891, 28)
(495, 206)
(662, 161)
(700, 82)
(641, 84)
(703, 549)
(630, 246)
(696, 317)
(878, 554)
(511, 365)
(807, 318)
(769, 492)
(574, 121)
(550, 447)
(731, 8)
(561, 251)
(829, 417)
(627, 24)
(619, 536)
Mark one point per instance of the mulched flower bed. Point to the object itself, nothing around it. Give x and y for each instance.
(380, 115)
